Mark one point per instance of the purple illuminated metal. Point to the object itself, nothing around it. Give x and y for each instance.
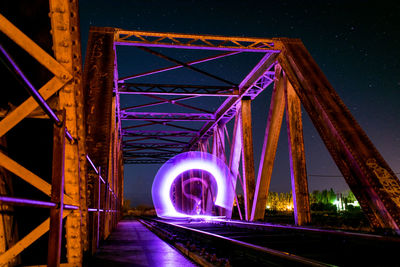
(155, 133)
(198, 47)
(162, 185)
(228, 109)
(31, 202)
(157, 116)
(178, 66)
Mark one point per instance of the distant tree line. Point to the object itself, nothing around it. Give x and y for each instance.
(325, 200)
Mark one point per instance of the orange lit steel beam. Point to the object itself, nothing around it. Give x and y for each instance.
(23, 110)
(274, 123)
(298, 171)
(247, 156)
(33, 49)
(66, 46)
(25, 242)
(191, 41)
(28, 176)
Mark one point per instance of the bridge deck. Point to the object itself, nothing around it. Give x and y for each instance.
(131, 244)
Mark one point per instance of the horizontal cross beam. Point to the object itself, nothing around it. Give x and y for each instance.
(134, 155)
(141, 161)
(156, 116)
(154, 133)
(228, 109)
(175, 89)
(190, 41)
(154, 145)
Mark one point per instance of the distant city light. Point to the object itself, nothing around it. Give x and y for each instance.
(171, 170)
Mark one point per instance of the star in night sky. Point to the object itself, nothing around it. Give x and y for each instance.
(356, 44)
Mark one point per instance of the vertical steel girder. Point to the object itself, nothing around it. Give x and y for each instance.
(370, 178)
(298, 172)
(99, 84)
(247, 156)
(66, 46)
(274, 122)
(57, 194)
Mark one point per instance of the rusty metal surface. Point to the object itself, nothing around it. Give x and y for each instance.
(297, 157)
(98, 81)
(369, 176)
(57, 195)
(271, 137)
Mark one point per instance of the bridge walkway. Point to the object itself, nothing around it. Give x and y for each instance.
(132, 244)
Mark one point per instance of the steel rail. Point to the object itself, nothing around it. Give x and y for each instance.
(229, 242)
(255, 225)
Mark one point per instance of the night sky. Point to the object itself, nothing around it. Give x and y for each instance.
(356, 44)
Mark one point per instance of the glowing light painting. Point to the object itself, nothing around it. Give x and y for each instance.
(197, 177)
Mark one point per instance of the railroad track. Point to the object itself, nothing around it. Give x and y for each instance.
(236, 243)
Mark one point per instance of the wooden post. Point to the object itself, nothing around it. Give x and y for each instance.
(298, 170)
(247, 156)
(274, 123)
(57, 195)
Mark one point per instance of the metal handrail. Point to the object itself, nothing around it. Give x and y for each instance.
(33, 203)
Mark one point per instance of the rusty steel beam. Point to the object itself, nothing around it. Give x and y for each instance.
(271, 137)
(177, 66)
(98, 79)
(298, 171)
(187, 66)
(370, 178)
(247, 156)
(191, 41)
(64, 17)
(27, 240)
(164, 117)
(154, 133)
(228, 108)
(176, 89)
(234, 157)
(57, 193)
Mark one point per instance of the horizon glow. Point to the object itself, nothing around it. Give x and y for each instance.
(180, 164)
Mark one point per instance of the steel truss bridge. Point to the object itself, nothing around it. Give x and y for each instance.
(95, 134)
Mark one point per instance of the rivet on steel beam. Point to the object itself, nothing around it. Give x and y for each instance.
(63, 44)
(59, 10)
(61, 28)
